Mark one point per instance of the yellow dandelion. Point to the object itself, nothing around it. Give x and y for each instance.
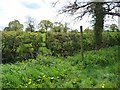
(103, 86)
(29, 82)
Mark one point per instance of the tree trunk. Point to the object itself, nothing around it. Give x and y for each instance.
(99, 23)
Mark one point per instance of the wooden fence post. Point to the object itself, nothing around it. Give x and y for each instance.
(81, 31)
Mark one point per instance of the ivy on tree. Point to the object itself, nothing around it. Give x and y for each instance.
(97, 9)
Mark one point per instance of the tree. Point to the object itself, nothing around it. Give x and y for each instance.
(99, 16)
(97, 9)
(45, 25)
(14, 26)
(59, 27)
(113, 27)
(30, 24)
(6, 29)
(74, 31)
(65, 28)
(88, 30)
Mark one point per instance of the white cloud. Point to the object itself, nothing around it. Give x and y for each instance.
(15, 9)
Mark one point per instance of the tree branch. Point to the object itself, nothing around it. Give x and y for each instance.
(113, 14)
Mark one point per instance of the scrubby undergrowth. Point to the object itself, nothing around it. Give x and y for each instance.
(99, 69)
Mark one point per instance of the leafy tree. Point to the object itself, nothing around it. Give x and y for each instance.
(6, 29)
(45, 25)
(114, 27)
(56, 29)
(65, 28)
(74, 31)
(88, 30)
(59, 27)
(97, 9)
(14, 26)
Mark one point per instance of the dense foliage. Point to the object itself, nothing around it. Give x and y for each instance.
(14, 26)
(98, 70)
(65, 44)
(18, 46)
(50, 55)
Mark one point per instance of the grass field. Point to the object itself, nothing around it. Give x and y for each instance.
(99, 69)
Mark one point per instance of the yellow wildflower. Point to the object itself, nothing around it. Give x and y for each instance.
(29, 82)
(103, 86)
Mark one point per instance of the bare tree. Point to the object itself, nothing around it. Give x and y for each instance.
(30, 24)
(97, 9)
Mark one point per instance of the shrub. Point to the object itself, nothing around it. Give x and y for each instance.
(111, 39)
(20, 45)
(65, 44)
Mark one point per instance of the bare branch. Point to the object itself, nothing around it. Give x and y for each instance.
(54, 3)
(113, 14)
(80, 9)
(75, 8)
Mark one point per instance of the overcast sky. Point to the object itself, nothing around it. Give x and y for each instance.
(37, 9)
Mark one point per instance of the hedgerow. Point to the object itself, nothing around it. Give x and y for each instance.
(18, 45)
(65, 44)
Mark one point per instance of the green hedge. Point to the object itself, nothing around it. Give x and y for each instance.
(111, 39)
(64, 44)
(18, 46)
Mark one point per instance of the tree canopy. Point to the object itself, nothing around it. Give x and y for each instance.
(45, 25)
(14, 26)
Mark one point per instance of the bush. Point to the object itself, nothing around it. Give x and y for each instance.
(44, 51)
(65, 44)
(111, 39)
(20, 45)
